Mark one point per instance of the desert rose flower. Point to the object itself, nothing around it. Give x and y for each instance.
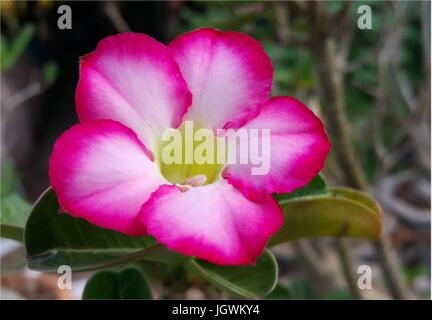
(108, 168)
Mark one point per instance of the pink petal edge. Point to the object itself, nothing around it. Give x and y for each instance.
(228, 73)
(100, 172)
(214, 222)
(133, 79)
(298, 149)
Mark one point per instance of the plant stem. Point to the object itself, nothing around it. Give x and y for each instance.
(343, 248)
(333, 108)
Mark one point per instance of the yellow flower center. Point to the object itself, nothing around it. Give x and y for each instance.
(191, 155)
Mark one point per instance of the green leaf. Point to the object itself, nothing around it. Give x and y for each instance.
(13, 216)
(341, 212)
(129, 283)
(53, 239)
(301, 289)
(280, 292)
(317, 186)
(296, 289)
(245, 281)
(357, 196)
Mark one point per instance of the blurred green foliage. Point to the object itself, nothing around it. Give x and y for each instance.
(294, 68)
(10, 178)
(11, 51)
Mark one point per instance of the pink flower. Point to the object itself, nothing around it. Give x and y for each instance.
(106, 170)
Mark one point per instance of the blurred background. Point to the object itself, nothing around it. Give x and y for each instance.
(371, 87)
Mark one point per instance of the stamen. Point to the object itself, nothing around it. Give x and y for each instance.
(196, 181)
(174, 155)
(183, 187)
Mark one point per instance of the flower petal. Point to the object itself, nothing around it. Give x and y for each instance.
(213, 222)
(100, 171)
(298, 148)
(133, 79)
(228, 73)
